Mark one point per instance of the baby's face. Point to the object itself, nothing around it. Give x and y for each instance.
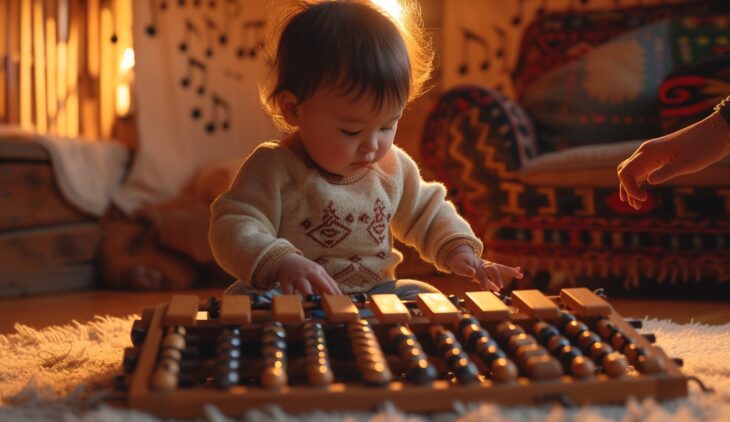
(342, 134)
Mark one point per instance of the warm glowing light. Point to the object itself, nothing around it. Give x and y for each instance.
(127, 62)
(124, 99)
(391, 7)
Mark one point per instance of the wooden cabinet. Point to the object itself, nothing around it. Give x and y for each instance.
(46, 244)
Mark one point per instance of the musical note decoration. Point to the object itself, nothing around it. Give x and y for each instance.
(211, 28)
(231, 10)
(203, 35)
(468, 38)
(195, 67)
(251, 38)
(217, 103)
(189, 29)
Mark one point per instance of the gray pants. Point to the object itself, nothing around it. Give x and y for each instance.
(405, 289)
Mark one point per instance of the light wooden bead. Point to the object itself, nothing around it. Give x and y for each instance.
(615, 364)
(319, 375)
(503, 370)
(649, 364)
(171, 353)
(163, 380)
(273, 376)
(543, 367)
(582, 367)
(173, 340)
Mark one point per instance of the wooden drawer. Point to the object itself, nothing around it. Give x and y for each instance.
(46, 244)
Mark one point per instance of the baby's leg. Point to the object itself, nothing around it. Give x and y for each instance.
(405, 289)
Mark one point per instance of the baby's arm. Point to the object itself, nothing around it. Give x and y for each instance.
(244, 232)
(427, 221)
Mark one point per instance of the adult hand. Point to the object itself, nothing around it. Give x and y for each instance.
(682, 152)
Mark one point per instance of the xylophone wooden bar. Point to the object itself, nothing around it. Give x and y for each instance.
(437, 307)
(421, 355)
(340, 308)
(235, 310)
(535, 304)
(389, 309)
(287, 309)
(182, 310)
(584, 302)
(487, 306)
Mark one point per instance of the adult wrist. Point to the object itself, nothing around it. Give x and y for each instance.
(722, 118)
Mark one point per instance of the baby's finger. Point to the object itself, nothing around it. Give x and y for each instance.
(621, 192)
(495, 275)
(325, 283)
(304, 287)
(287, 288)
(463, 269)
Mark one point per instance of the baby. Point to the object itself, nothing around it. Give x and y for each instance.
(317, 212)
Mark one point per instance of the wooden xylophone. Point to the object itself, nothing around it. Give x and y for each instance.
(356, 352)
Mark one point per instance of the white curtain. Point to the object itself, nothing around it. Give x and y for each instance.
(197, 65)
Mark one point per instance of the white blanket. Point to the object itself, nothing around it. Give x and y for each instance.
(88, 172)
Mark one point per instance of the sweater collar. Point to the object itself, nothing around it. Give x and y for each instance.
(294, 145)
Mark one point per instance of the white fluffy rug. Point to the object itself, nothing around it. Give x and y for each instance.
(65, 373)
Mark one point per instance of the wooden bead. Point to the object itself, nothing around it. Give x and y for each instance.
(377, 374)
(273, 376)
(631, 351)
(615, 364)
(173, 340)
(171, 353)
(543, 367)
(524, 353)
(599, 350)
(176, 329)
(503, 370)
(649, 364)
(582, 367)
(319, 375)
(605, 328)
(518, 340)
(163, 380)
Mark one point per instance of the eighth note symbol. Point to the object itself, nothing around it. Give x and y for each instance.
(467, 38)
(247, 44)
(189, 29)
(195, 66)
(218, 103)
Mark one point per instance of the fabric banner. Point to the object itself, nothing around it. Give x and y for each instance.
(197, 68)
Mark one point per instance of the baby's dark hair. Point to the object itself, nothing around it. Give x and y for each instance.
(350, 45)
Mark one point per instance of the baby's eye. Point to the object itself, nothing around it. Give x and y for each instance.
(350, 132)
(385, 129)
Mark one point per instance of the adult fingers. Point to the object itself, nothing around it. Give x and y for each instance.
(666, 172)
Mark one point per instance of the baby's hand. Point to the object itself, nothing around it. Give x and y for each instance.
(464, 262)
(297, 273)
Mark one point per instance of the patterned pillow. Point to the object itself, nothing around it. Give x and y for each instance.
(610, 93)
(690, 94)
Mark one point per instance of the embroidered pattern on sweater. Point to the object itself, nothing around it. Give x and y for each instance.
(379, 225)
(331, 232)
(356, 275)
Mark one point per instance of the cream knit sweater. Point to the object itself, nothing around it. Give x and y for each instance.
(281, 203)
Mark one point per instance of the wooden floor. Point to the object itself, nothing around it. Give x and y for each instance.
(44, 311)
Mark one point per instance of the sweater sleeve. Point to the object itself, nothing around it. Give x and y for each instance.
(245, 221)
(426, 220)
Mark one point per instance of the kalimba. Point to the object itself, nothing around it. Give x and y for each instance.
(356, 352)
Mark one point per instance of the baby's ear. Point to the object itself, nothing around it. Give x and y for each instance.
(289, 106)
